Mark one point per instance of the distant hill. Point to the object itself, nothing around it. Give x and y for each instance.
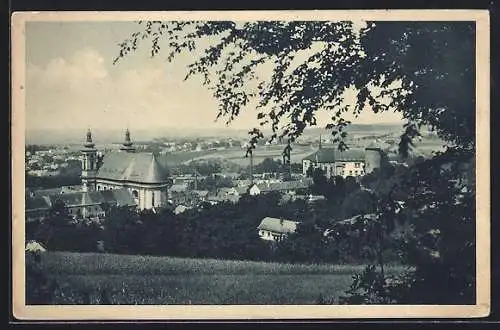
(103, 136)
(355, 128)
(70, 136)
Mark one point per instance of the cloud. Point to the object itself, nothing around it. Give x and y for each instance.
(82, 90)
(84, 67)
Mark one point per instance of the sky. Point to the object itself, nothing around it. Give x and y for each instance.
(71, 83)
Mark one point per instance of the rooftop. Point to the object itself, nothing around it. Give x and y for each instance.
(135, 167)
(285, 185)
(331, 155)
(276, 225)
(120, 197)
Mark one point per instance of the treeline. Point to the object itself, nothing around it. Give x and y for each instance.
(47, 182)
(225, 231)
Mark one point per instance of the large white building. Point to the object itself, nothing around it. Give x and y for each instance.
(351, 162)
(139, 172)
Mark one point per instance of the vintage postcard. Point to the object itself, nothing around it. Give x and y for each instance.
(250, 165)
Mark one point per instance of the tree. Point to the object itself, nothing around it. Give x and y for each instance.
(269, 165)
(414, 68)
(122, 231)
(407, 62)
(58, 231)
(358, 202)
(309, 171)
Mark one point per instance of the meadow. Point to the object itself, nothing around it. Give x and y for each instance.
(237, 155)
(126, 279)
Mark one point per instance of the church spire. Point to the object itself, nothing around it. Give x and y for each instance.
(89, 163)
(88, 142)
(127, 144)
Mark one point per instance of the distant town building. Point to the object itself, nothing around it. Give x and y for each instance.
(282, 187)
(180, 209)
(351, 162)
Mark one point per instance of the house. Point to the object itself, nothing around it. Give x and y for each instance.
(178, 193)
(274, 229)
(202, 195)
(228, 191)
(226, 175)
(34, 246)
(254, 190)
(283, 187)
(178, 188)
(180, 209)
(242, 182)
(223, 198)
(349, 222)
(311, 198)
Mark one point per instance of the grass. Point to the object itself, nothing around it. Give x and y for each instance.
(237, 155)
(165, 280)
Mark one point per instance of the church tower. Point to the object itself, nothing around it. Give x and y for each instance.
(127, 146)
(89, 163)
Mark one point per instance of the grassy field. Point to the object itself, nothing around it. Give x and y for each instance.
(166, 280)
(237, 155)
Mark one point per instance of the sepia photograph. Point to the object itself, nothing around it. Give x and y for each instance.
(250, 164)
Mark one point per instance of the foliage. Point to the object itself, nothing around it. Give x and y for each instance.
(404, 66)
(269, 165)
(438, 218)
(47, 182)
(212, 183)
(60, 232)
(40, 289)
(358, 202)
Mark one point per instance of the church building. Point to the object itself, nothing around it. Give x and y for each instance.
(139, 172)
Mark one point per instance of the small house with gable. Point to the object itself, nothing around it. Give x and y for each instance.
(275, 229)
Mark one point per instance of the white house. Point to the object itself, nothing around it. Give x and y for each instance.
(274, 229)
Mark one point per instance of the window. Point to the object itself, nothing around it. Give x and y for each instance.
(350, 172)
(357, 165)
